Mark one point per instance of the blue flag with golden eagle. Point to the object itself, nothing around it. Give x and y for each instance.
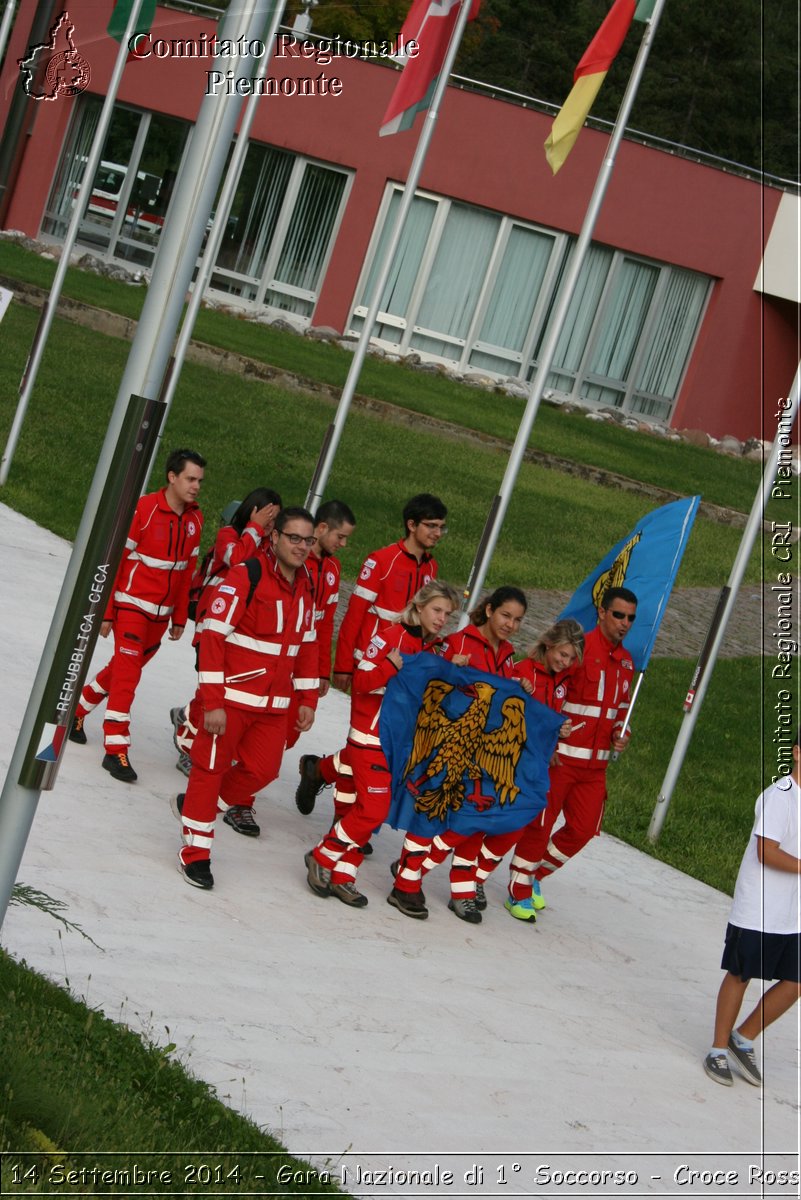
(646, 562)
(468, 751)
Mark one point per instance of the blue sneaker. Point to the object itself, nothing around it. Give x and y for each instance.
(523, 910)
(537, 898)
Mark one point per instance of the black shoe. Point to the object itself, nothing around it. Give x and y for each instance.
(394, 868)
(119, 767)
(76, 734)
(177, 806)
(411, 904)
(481, 899)
(241, 819)
(311, 783)
(197, 873)
(466, 910)
(367, 849)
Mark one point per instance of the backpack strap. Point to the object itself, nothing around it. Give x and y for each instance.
(253, 567)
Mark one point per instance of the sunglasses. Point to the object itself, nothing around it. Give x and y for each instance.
(621, 616)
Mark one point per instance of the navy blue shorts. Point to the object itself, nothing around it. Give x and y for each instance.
(752, 954)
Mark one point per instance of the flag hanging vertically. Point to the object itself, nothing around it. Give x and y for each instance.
(646, 562)
(589, 75)
(118, 21)
(467, 751)
(428, 26)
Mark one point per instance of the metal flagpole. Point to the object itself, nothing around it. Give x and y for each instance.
(335, 429)
(206, 267)
(721, 619)
(5, 27)
(497, 512)
(175, 262)
(48, 312)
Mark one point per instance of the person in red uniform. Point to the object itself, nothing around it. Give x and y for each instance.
(543, 674)
(150, 596)
(483, 644)
(334, 524)
(237, 539)
(332, 864)
(388, 580)
(597, 702)
(257, 647)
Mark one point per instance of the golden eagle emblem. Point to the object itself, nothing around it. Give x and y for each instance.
(614, 575)
(462, 749)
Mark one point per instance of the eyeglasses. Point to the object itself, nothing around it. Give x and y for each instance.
(434, 526)
(296, 539)
(620, 616)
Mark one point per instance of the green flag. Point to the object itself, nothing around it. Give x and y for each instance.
(119, 18)
(644, 10)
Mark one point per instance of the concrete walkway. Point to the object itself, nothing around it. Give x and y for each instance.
(361, 1038)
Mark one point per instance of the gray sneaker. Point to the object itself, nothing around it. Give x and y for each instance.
(466, 910)
(317, 877)
(347, 893)
(717, 1068)
(481, 898)
(177, 719)
(184, 764)
(746, 1063)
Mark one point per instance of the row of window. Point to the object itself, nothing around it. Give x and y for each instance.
(468, 287)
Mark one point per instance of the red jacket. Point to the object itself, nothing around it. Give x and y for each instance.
(372, 676)
(387, 581)
(325, 572)
(548, 689)
(598, 694)
(255, 656)
(483, 657)
(230, 549)
(158, 560)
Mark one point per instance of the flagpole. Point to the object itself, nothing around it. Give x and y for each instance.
(215, 236)
(48, 312)
(492, 528)
(335, 429)
(753, 526)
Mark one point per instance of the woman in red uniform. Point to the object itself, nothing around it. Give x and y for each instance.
(543, 675)
(334, 861)
(483, 644)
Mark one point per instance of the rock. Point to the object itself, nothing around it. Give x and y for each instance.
(323, 333)
(413, 359)
(755, 444)
(615, 414)
(479, 379)
(755, 455)
(730, 445)
(514, 387)
(695, 437)
(598, 416)
(281, 325)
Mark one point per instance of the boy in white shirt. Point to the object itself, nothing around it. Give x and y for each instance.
(763, 938)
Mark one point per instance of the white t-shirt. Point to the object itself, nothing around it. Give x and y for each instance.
(764, 898)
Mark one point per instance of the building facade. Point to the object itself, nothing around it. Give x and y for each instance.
(686, 310)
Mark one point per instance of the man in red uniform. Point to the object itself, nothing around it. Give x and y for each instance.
(257, 649)
(388, 579)
(150, 595)
(333, 525)
(597, 701)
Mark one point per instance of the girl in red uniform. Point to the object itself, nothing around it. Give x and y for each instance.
(543, 675)
(334, 861)
(483, 644)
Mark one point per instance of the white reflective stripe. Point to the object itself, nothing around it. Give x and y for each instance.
(573, 751)
(130, 544)
(365, 665)
(582, 710)
(333, 598)
(280, 702)
(210, 677)
(555, 853)
(198, 826)
(611, 713)
(292, 651)
(158, 610)
(159, 564)
(358, 655)
(257, 537)
(198, 839)
(319, 613)
(463, 889)
(386, 614)
(227, 554)
(346, 868)
(279, 616)
(250, 701)
(604, 755)
(311, 636)
(364, 593)
(363, 739)
(257, 644)
(117, 739)
(221, 627)
(306, 685)
(111, 715)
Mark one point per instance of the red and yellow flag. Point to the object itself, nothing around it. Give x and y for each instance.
(588, 77)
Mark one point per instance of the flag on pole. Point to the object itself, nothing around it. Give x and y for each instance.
(118, 22)
(422, 46)
(467, 751)
(646, 562)
(589, 75)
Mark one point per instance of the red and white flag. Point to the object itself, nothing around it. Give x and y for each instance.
(421, 48)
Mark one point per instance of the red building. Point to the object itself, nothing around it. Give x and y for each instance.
(687, 307)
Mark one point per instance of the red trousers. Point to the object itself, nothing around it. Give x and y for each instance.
(136, 640)
(419, 855)
(340, 849)
(578, 792)
(228, 770)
